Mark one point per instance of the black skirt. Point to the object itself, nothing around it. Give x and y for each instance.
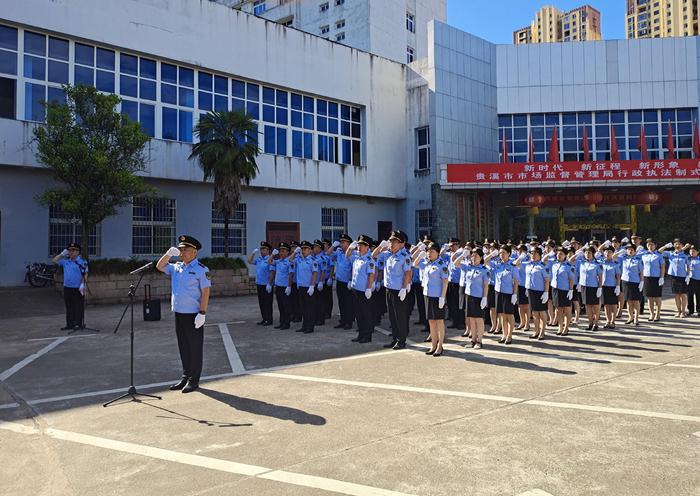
(474, 310)
(522, 296)
(630, 291)
(503, 303)
(609, 296)
(433, 310)
(651, 287)
(678, 285)
(589, 295)
(491, 297)
(559, 299)
(536, 304)
(462, 298)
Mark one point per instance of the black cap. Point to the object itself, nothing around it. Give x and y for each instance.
(609, 248)
(185, 240)
(305, 244)
(326, 241)
(318, 242)
(479, 252)
(630, 246)
(74, 246)
(364, 240)
(426, 239)
(537, 250)
(284, 245)
(454, 240)
(614, 239)
(373, 244)
(408, 245)
(265, 244)
(434, 246)
(635, 236)
(522, 247)
(399, 236)
(650, 240)
(345, 237)
(293, 243)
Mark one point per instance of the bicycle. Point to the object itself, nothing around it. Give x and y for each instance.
(40, 274)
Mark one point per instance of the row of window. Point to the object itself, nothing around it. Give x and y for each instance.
(168, 100)
(154, 228)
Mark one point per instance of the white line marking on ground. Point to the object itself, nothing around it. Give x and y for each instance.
(219, 323)
(282, 476)
(20, 365)
(535, 492)
(7, 406)
(234, 359)
(67, 337)
(503, 399)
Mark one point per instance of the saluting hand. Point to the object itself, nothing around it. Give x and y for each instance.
(173, 252)
(64, 253)
(336, 244)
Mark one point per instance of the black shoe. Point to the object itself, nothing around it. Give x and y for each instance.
(284, 327)
(76, 328)
(355, 340)
(365, 340)
(390, 345)
(267, 323)
(190, 386)
(301, 329)
(399, 346)
(347, 327)
(278, 326)
(339, 326)
(67, 328)
(179, 385)
(260, 323)
(428, 339)
(308, 331)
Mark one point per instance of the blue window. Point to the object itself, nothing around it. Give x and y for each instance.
(128, 86)
(238, 88)
(521, 120)
(84, 75)
(147, 89)
(205, 100)
(651, 116)
(186, 97)
(8, 37)
(186, 77)
(308, 145)
(684, 115)
(270, 139)
(169, 123)
(34, 67)
(220, 103)
(147, 68)
(168, 93)
(535, 120)
(602, 117)
(297, 144)
(281, 98)
(634, 116)
(33, 101)
(252, 109)
(58, 49)
(8, 62)
(296, 101)
(281, 116)
(238, 105)
(268, 95)
(568, 119)
(308, 104)
(148, 119)
(131, 110)
(128, 64)
(34, 43)
(345, 112)
(268, 113)
(105, 59)
(204, 81)
(321, 107)
(57, 95)
(333, 126)
(105, 81)
(58, 72)
(308, 121)
(345, 128)
(617, 117)
(322, 124)
(168, 73)
(281, 141)
(84, 54)
(296, 118)
(347, 152)
(332, 109)
(551, 119)
(253, 92)
(221, 85)
(185, 122)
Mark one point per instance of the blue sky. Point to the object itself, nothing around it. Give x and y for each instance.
(495, 20)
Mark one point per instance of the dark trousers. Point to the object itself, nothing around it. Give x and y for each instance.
(283, 305)
(327, 301)
(295, 303)
(398, 315)
(411, 301)
(265, 303)
(190, 341)
(75, 306)
(320, 305)
(308, 308)
(694, 296)
(345, 303)
(363, 312)
(378, 305)
(452, 297)
(417, 289)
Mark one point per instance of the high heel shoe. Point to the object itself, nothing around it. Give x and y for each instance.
(508, 341)
(502, 340)
(430, 352)
(437, 353)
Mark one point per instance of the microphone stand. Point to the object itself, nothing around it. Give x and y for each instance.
(132, 392)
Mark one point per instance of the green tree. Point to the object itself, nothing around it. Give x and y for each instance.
(227, 148)
(94, 153)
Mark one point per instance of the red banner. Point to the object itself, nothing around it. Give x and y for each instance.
(621, 170)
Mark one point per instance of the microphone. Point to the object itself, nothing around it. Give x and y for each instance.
(140, 269)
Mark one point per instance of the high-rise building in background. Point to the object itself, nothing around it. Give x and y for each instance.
(662, 18)
(553, 25)
(394, 29)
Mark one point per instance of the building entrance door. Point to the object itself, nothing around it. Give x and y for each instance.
(281, 231)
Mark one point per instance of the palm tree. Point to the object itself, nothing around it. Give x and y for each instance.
(227, 147)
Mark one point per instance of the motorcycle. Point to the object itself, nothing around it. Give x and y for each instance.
(40, 274)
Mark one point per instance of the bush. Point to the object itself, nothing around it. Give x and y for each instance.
(106, 266)
(215, 263)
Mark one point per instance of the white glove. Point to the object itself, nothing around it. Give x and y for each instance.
(288, 290)
(385, 244)
(173, 252)
(268, 288)
(421, 246)
(329, 282)
(445, 247)
(667, 246)
(624, 241)
(606, 244)
(641, 285)
(402, 294)
(566, 244)
(297, 249)
(599, 292)
(64, 253)
(275, 252)
(661, 281)
(82, 288)
(514, 299)
(423, 254)
(319, 286)
(310, 292)
(336, 244)
(199, 320)
(484, 302)
(570, 295)
(441, 302)
(687, 280)
(257, 250)
(617, 290)
(578, 288)
(353, 245)
(459, 252)
(545, 297)
(368, 293)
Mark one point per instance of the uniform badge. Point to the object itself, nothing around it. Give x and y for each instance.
(371, 265)
(207, 275)
(444, 269)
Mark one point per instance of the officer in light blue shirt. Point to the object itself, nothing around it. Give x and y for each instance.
(506, 277)
(536, 273)
(476, 279)
(307, 276)
(397, 281)
(282, 267)
(653, 263)
(342, 272)
(362, 287)
(323, 274)
(260, 258)
(632, 267)
(432, 276)
(75, 269)
(693, 280)
(190, 298)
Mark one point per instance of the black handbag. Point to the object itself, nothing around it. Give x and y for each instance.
(151, 306)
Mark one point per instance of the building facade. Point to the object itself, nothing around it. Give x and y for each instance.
(661, 18)
(394, 29)
(552, 25)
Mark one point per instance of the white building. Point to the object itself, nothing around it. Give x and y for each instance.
(351, 142)
(394, 29)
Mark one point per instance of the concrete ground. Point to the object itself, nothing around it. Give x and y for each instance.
(282, 413)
